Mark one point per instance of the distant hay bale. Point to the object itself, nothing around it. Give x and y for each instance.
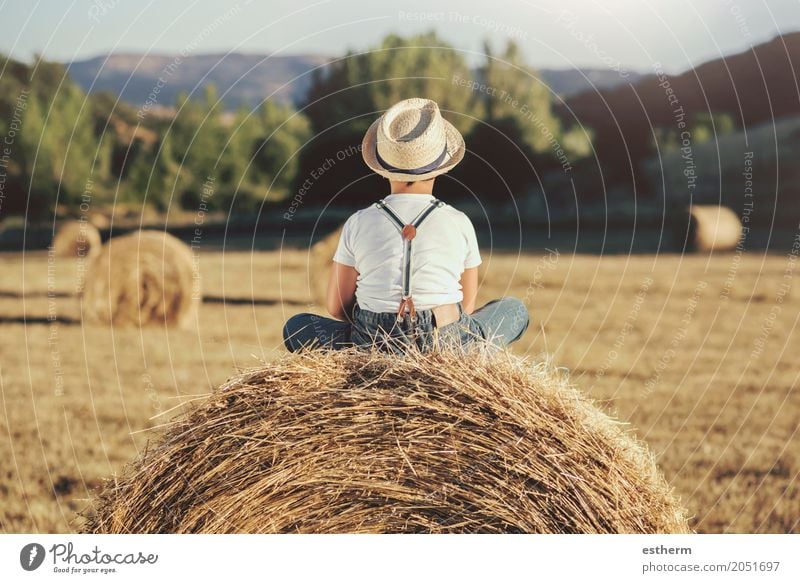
(349, 441)
(709, 228)
(100, 220)
(77, 239)
(141, 279)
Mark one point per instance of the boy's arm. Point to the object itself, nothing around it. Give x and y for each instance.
(469, 277)
(469, 286)
(342, 291)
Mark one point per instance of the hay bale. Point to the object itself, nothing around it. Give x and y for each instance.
(77, 239)
(140, 279)
(99, 220)
(335, 442)
(709, 228)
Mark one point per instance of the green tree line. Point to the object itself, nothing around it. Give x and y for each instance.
(64, 147)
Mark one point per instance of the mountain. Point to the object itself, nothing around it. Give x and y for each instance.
(569, 82)
(159, 79)
(249, 78)
(752, 86)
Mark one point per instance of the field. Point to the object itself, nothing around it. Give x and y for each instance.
(697, 354)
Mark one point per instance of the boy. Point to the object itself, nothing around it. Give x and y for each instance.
(405, 272)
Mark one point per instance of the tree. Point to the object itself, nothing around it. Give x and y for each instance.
(158, 179)
(57, 145)
(36, 175)
(514, 92)
(348, 96)
(283, 134)
(702, 127)
(520, 138)
(361, 85)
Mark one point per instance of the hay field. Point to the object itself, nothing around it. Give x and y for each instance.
(698, 354)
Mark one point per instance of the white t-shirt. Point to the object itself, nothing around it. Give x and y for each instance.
(445, 245)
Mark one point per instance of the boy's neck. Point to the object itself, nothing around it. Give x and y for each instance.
(419, 187)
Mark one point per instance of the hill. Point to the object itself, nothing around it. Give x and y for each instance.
(569, 82)
(752, 87)
(247, 78)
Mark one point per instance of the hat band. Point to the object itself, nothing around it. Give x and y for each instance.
(421, 170)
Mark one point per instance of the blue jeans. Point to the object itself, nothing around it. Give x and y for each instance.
(499, 322)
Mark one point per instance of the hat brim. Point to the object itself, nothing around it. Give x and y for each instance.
(455, 152)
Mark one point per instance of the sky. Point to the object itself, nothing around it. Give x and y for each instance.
(564, 34)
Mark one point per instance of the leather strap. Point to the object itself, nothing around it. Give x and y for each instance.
(408, 232)
(445, 314)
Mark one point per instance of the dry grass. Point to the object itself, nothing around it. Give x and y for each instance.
(696, 353)
(366, 442)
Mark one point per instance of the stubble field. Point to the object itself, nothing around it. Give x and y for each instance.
(696, 354)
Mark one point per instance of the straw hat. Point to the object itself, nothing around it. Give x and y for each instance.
(411, 141)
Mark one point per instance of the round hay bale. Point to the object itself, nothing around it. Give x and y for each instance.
(709, 228)
(77, 239)
(144, 278)
(99, 220)
(349, 441)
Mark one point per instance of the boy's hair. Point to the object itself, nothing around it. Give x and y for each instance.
(409, 183)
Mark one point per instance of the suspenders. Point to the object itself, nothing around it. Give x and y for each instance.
(407, 232)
